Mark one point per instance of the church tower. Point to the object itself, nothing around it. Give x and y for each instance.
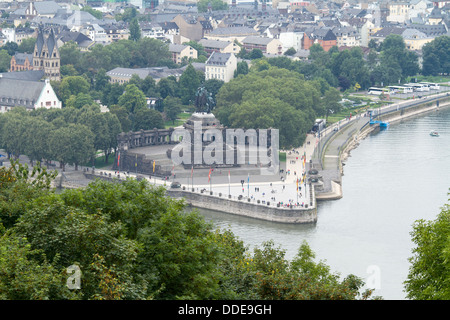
(46, 55)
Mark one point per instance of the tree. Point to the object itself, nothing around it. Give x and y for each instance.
(135, 30)
(242, 68)
(25, 278)
(256, 54)
(27, 45)
(188, 84)
(36, 137)
(436, 56)
(213, 86)
(153, 51)
(395, 55)
(79, 101)
(290, 52)
(148, 119)
(70, 54)
(112, 93)
(114, 129)
(331, 101)
(72, 144)
(203, 5)
(133, 242)
(122, 115)
(133, 99)
(13, 131)
(10, 47)
(167, 87)
(73, 85)
(172, 107)
(5, 60)
(429, 273)
(101, 80)
(276, 98)
(96, 13)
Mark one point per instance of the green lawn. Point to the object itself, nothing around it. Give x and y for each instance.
(100, 162)
(181, 118)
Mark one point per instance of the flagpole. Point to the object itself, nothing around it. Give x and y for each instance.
(229, 182)
(209, 179)
(154, 176)
(248, 186)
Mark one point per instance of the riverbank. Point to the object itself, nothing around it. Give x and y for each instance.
(326, 153)
(400, 114)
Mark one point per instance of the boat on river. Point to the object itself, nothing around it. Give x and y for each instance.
(434, 133)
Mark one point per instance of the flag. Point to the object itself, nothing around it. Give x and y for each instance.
(209, 175)
(135, 164)
(118, 159)
(229, 176)
(192, 171)
(154, 162)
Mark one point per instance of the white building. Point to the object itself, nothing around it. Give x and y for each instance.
(27, 93)
(220, 66)
(291, 40)
(398, 12)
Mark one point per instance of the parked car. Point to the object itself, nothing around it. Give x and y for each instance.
(175, 184)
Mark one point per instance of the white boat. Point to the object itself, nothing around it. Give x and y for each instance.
(434, 133)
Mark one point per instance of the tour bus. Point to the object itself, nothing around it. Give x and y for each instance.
(432, 86)
(377, 91)
(418, 86)
(400, 89)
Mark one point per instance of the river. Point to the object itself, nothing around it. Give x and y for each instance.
(392, 179)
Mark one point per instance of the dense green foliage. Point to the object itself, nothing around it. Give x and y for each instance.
(130, 241)
(436, 56)
(272, 98)
(68, 135)
(429, 273)
(204, 5)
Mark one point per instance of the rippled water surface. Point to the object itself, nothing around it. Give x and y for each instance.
(391, 179)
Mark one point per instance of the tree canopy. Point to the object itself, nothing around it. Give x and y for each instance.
(272, 98)
(429, 273)
(436, 56)
(147, 248)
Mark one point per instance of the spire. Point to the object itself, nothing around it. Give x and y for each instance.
(51, 42)
(40, 40)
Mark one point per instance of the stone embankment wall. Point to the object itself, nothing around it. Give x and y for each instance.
(392, 117)
(220, 202)
(247, 209)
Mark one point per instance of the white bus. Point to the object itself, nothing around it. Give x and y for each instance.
(432, 86)
(400, 89)
(417, 86)
(377, 91)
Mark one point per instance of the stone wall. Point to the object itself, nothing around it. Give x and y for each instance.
(268, 212)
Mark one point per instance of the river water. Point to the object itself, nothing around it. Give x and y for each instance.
(392, 179)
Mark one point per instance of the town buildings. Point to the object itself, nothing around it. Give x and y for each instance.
(272, 27)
